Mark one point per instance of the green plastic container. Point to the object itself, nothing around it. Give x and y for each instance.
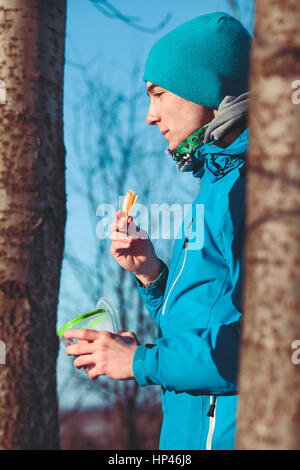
(104, 318)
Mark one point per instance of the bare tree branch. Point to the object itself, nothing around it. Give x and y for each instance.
(111, 11)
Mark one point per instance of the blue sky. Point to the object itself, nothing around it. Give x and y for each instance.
(113, 47)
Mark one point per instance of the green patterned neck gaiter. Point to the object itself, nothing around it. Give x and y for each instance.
(183, 154)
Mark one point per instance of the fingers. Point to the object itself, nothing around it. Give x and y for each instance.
(133, 232)
(89, 364)
(88, 335)
(128, 227)
(120, 214)
(120, 236)
(80, 348)
(119, 242)
(109, 353)
(83, 361)
(121, 223)
(94, 373)
(128, 336)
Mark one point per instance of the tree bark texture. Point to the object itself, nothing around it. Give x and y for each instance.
(32, 213)
(269, 383)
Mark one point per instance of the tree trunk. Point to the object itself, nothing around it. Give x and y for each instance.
(32, 212)
(269, 405)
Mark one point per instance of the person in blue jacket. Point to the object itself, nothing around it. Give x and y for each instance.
(197, 81)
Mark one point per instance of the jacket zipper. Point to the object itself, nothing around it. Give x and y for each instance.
(212, 420)
(185, 245)
(212, 399)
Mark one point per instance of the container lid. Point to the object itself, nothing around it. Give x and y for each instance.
(79, 319)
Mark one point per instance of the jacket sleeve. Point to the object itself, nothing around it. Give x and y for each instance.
(153, 296)
(185, 362)
(201, 360)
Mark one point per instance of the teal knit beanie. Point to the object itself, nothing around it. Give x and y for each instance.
(203, 60)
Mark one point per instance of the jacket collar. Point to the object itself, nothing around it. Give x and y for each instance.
(219, 161)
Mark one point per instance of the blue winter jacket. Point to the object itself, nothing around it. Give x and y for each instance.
(197, 306)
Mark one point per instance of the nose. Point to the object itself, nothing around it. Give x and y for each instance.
(152, 116)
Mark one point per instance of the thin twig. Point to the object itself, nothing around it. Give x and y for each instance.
(111, 11)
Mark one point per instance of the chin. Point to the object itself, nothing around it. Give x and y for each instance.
(175, 142)
(172, 146)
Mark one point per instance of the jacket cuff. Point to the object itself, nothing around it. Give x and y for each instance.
(157, 287)
(138, 365)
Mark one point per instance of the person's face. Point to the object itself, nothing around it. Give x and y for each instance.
(176, 117)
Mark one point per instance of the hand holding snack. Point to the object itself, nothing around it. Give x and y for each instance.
(131, 247)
